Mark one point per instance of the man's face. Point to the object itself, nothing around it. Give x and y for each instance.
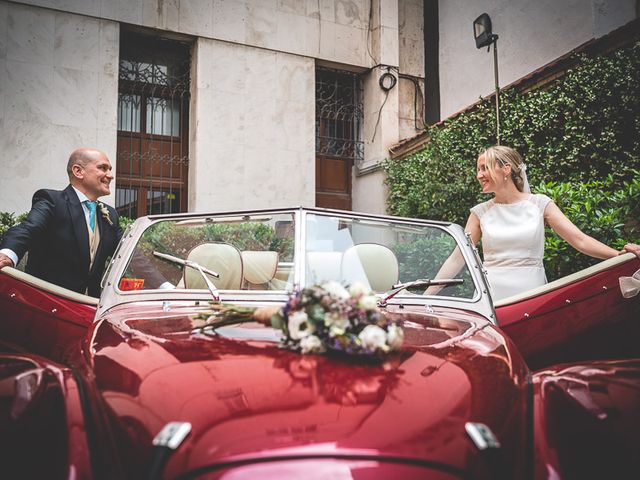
(95, 177)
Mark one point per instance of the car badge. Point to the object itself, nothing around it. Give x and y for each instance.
(482, 436)
(172, 435)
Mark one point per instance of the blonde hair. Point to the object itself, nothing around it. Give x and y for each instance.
(501, 156)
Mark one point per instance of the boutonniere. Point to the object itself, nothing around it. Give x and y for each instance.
(105, 213)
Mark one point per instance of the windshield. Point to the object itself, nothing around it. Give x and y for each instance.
(380, 254)
(256, 252)
(247, 252)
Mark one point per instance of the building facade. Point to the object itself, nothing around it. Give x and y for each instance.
(210, 104)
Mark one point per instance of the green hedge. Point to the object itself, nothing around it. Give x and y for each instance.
(584, 128)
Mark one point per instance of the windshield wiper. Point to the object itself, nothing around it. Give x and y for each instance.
(196, 266)
(421, 282)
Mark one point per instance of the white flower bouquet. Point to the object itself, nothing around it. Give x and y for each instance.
(319, 319)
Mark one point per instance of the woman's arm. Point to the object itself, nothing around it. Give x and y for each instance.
(574, 236)
(454, 263)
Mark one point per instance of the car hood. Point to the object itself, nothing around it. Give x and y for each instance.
(249, 400)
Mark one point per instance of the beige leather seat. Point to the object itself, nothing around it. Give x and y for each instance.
(222, 258)
(259, 268)
(323, 266)
(372, 264)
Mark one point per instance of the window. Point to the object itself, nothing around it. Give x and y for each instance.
(339, 144)
(153, 111)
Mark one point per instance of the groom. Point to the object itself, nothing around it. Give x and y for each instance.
(69, 234)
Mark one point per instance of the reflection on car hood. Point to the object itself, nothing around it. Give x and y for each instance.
(251, 399)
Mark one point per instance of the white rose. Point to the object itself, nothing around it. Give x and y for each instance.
(374, 337)
(368, 302)
(336, 290)
(334, 320)
(358, 290)
(395, 336)
(299, 325)
(311, 344)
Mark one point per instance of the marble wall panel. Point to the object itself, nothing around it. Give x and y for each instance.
(196, 17)
(260, 119)
(244, 135)
(292, 130)
(29, 92)
(261, 26)
(3, 87)
(327, 41)
(30, 34)
(411, 37)
(82, 7)
(109, 49)
(229, 20)
(354, 13)
(76, 42)
(327, 11)
(369, 193)
(228, 119)
(350, 45)
(75, 100)
(261, 72)
(389, 49)
(3, 30)
(389, 13)
(227, 69)
(128, 11)
(162, 14)
(292, 33)
(295, 79)
(298, 7)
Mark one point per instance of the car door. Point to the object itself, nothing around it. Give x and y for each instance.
(39, 317)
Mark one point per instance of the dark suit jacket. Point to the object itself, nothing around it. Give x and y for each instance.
(56, 237)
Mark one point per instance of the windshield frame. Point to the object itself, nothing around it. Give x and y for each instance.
(113, 296)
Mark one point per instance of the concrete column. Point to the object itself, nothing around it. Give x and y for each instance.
(381, 125)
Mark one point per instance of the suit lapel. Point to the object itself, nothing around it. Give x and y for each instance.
(79, 222)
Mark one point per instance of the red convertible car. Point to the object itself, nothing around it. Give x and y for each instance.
(133, 385)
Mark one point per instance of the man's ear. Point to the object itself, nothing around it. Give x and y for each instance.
(77, 171)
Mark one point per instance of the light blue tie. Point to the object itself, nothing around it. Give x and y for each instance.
(92, 213)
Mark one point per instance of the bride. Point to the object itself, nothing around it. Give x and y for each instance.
(511, 226)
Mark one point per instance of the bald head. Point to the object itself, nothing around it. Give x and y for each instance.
(89, 171)
(83, 157)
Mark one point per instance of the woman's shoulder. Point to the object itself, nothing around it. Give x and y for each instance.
(481, 208)
(540, 200)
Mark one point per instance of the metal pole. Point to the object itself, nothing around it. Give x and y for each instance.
(495, 73)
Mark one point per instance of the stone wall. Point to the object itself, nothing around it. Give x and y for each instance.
(58, 91)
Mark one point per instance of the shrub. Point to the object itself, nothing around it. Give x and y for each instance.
(608, 215)
(8, 220)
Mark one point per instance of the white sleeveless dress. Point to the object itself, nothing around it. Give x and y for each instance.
(513, 244)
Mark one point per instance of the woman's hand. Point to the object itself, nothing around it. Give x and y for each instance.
(633, 248)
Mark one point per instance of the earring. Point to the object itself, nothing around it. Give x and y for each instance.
(505, 179)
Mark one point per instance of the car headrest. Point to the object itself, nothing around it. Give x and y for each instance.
(222, 258)
(372, 264)
(259, 266)
(323, 266)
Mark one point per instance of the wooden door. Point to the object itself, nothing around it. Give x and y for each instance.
(333, 182)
